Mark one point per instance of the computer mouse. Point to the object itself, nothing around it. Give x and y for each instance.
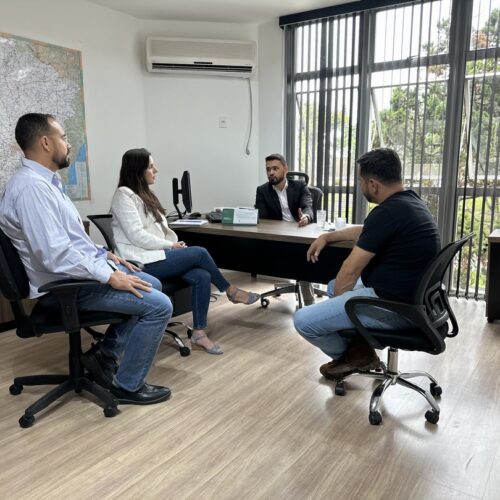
(194, 215)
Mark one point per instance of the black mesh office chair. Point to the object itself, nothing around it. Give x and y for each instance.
(429, 312)
(281, 288)
(177, 289)
(15, 287)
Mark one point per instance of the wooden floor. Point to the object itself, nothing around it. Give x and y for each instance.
(259, 422)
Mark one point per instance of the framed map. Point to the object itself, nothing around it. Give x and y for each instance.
(37, 77)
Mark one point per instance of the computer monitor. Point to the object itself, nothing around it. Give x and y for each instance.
(185, 192)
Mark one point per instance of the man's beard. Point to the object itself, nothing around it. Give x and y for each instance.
(62, 162)
(275, 180)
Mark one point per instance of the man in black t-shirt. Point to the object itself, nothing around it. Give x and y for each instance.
(394, 245)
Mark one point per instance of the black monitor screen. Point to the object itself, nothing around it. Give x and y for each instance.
(184, 191)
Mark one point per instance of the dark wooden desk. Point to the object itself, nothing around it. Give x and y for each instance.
(271, 248)
(493, 277)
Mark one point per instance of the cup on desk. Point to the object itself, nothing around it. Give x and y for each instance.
(321, 218)
(340, 222)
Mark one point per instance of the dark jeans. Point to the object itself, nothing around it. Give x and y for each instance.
(196, 266)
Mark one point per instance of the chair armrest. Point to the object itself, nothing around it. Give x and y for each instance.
(415, 313)
(66, 292)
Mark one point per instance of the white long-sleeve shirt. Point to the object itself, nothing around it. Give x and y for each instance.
(46, 229)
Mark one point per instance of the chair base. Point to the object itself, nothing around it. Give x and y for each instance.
(389, 375)
(183, 348)
(279, 289)
(64, 384)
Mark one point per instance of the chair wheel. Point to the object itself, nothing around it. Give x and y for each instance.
(264, 303)
(340, 389)
(436, 390)
(16, 389)
(26, 421)
(184, 351)
(432, 416)
(110, 411)
(375, 418)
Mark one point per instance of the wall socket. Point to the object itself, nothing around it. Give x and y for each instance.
(222, 122)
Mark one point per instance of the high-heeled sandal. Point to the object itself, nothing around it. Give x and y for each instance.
(215, 349)
(251, 297)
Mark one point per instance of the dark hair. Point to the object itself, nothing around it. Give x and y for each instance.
(134, 163)
(31, 127)
(277, 156)
(382, 163)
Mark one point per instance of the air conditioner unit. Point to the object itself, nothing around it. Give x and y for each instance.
(201, 56)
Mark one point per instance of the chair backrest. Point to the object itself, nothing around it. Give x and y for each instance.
(316, 192)
(317, 196)
(14, 285)
(103, 223)
(14, 282)
(298, 176)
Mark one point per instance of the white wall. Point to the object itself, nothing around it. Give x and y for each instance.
(176, 117)
(182, 124)
(112, 79)
(271, 68)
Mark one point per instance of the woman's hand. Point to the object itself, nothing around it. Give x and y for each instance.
(123, 262)
(179, 244)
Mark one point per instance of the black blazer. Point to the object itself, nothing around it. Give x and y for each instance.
(298, 194)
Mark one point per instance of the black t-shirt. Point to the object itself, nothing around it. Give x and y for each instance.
(402, 234)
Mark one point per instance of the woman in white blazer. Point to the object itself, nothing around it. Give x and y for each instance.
(142, 234)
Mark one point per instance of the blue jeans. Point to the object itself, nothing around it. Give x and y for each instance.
(319, 323)
(196, 266)
(135, 341)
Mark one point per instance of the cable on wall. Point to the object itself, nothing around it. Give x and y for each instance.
(247, 149)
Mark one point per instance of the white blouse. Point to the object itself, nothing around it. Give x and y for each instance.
(137, 235)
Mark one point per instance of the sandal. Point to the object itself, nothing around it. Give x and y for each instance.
(215, 349)
(251, 297)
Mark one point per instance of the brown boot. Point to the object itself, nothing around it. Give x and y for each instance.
(358, 357)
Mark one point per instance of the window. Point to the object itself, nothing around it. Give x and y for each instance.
(420, 77)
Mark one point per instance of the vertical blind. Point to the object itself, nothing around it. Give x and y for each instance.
(420, 77)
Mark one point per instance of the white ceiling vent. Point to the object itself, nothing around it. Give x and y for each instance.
(201, 56)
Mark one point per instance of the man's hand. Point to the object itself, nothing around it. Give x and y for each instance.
(123, 262)
(315, 249)
(122, 281)
(303, 219)
(179, 244)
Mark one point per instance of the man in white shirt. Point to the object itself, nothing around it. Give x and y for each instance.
(46, 229)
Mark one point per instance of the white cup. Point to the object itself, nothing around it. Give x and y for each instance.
(340, 222)
(321, 218)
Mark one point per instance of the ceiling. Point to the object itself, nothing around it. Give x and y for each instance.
(229, 11)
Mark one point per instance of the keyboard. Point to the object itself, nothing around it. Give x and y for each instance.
(214, 216)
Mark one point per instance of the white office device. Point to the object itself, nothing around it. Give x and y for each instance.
(201, 56)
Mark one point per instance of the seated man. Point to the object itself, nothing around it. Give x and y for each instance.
(394, 245)
(283, 199)
(47, 231)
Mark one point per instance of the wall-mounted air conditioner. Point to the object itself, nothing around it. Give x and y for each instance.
(201, 56)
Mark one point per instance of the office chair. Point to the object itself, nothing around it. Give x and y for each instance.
(15, 287)
(429, 312)
(280, 288)
(177, 289)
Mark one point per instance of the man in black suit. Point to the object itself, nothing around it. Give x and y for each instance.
(283, 199)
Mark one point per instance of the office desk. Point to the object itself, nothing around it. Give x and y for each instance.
(271, 248)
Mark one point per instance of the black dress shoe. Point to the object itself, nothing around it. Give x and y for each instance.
(147, 395)
(100, 367)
